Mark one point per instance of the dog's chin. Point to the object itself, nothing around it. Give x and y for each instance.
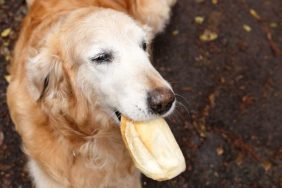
(145, 118)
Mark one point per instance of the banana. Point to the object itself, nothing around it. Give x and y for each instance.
(153, 148)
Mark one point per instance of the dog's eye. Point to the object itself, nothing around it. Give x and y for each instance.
(102, 58)
(144, 46)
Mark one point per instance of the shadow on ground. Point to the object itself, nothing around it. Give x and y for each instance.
(229, 88)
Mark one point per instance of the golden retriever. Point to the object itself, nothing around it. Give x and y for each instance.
(78, 65)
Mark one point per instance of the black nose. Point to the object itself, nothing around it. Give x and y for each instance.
(160, 100)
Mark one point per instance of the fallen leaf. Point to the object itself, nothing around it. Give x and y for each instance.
(266, 166)
(215, 2)
(208, 36)
(199, 19)
(219, 150)
(254, 14)
(276, 50)
(239, 159)
(212, 98)
(175, 32)
(246, 102)
(202, 130)
(6, 43)
(247, 28)
(222, 80)
(6, 32)
(273, 24)
(7, 78)
(1, 138)
(7, 57)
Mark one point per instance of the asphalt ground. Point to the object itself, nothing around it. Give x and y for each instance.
(224, 61)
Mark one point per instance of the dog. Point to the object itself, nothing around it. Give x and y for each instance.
(78, 65)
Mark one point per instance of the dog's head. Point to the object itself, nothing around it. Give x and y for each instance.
(101, 55)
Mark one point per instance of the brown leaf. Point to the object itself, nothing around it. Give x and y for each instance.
(246, 102)
(254, 14)
(239, 159)
(215, 2)
(266, 166)
(219, 150)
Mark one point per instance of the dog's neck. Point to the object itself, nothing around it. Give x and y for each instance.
(77, 118)
(85, 130)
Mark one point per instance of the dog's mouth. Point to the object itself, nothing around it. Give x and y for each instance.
(118, 115)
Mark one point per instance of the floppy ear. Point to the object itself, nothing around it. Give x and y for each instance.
(45, 77)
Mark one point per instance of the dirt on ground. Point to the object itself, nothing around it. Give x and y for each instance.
(224, 61)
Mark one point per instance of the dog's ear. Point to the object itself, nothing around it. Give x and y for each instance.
(46, 77)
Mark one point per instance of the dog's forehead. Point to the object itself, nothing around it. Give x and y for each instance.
(102, 30)
(113, 25)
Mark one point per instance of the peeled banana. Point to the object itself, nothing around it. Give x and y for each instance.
(153, 148)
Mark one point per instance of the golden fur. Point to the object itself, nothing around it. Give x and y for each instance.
(69, 141)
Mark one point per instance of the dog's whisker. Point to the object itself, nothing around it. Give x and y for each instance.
(175, 116)
(182, 97)
(186, 109)
(179, 115)
(172, 117)
(186, 106)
